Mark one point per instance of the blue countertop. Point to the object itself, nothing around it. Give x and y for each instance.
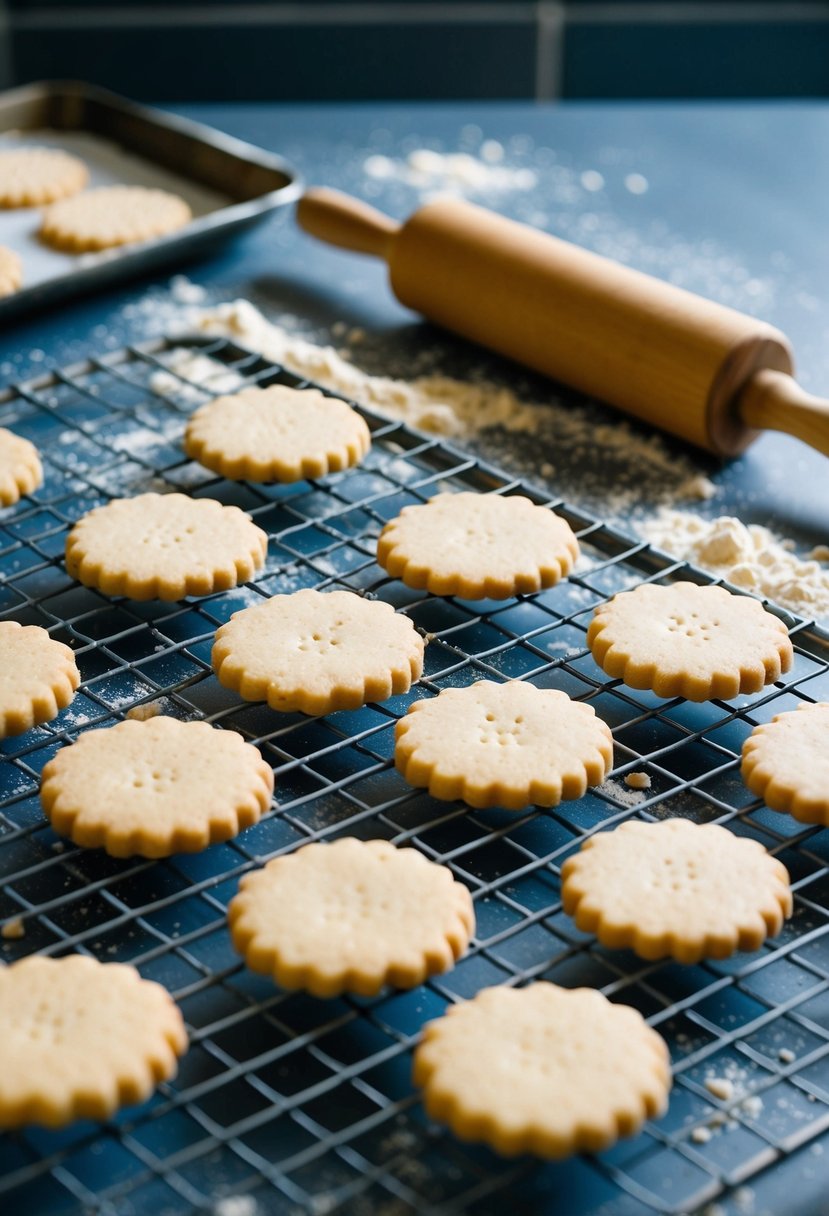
(727, 200)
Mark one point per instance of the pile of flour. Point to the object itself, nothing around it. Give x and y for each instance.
(747, 556)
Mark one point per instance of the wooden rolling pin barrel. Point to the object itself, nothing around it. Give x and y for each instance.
(704, 372)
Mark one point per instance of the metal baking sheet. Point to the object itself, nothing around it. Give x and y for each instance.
(228, 184)
(286, 1105)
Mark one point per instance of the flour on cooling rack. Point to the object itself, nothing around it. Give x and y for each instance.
(747, 556)
(640, 467)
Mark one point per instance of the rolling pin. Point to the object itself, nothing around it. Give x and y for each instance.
(707, 373)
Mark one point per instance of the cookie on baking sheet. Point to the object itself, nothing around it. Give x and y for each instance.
(112, 215)
(38, 677)
(676, 889)
(11, 271)
(352, 916)
(317, 652)
(478, 546)
(79, 1039)
(164, 546)
(155, 787)
(20, 468)
(683, 640)
(786, 763)
(545, 1070)
(30, 177)
(506, 745)
(276, 434)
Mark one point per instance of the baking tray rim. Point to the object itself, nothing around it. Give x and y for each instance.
(148, 254)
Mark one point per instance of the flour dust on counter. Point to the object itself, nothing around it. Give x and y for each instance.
(454, 172)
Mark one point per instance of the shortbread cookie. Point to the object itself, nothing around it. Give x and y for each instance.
(503, 745)
(112, 215)
(30, 177)
(477, 546)
(11, 271)
(276, 434)
(786, 763)
(543, 1069)
(155, 787)
(20, 468)
(164, 546)
(683, 640)
(352, 916)
(38, 677)
(317, 652)
(677, 889)
(79, 1039)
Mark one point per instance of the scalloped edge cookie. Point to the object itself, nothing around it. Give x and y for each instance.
(786, 763)
(109, 216)
(478, 546)
(316, 652)
(79, 1039)
(351, 916)
(43, 682)
(164, 546)
(276, 434)
(32, 176)
(508, 745)
(686, 640)
(676, 889)
(20, 469)
(542, 1069)
(155, 787)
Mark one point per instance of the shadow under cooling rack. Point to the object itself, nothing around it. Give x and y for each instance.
(288, 1104)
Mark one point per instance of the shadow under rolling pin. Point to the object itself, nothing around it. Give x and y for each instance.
(706, 373)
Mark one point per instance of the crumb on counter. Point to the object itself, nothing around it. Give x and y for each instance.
(720, 1087)
(13, 929)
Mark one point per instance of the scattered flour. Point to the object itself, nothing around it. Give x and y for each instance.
(236, 1205)
(750, 556)
(752, 1106)
(453, 172)
(188, 371)
(622, 793)
(184, 291)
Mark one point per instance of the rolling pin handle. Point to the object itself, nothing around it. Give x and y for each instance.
(344, 221)
(772, 400)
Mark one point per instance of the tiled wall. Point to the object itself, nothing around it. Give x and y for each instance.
(322, 49)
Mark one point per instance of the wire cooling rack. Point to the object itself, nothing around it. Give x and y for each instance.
(288, 1104)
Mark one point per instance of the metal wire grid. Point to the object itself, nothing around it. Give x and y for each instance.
(289, 1104)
